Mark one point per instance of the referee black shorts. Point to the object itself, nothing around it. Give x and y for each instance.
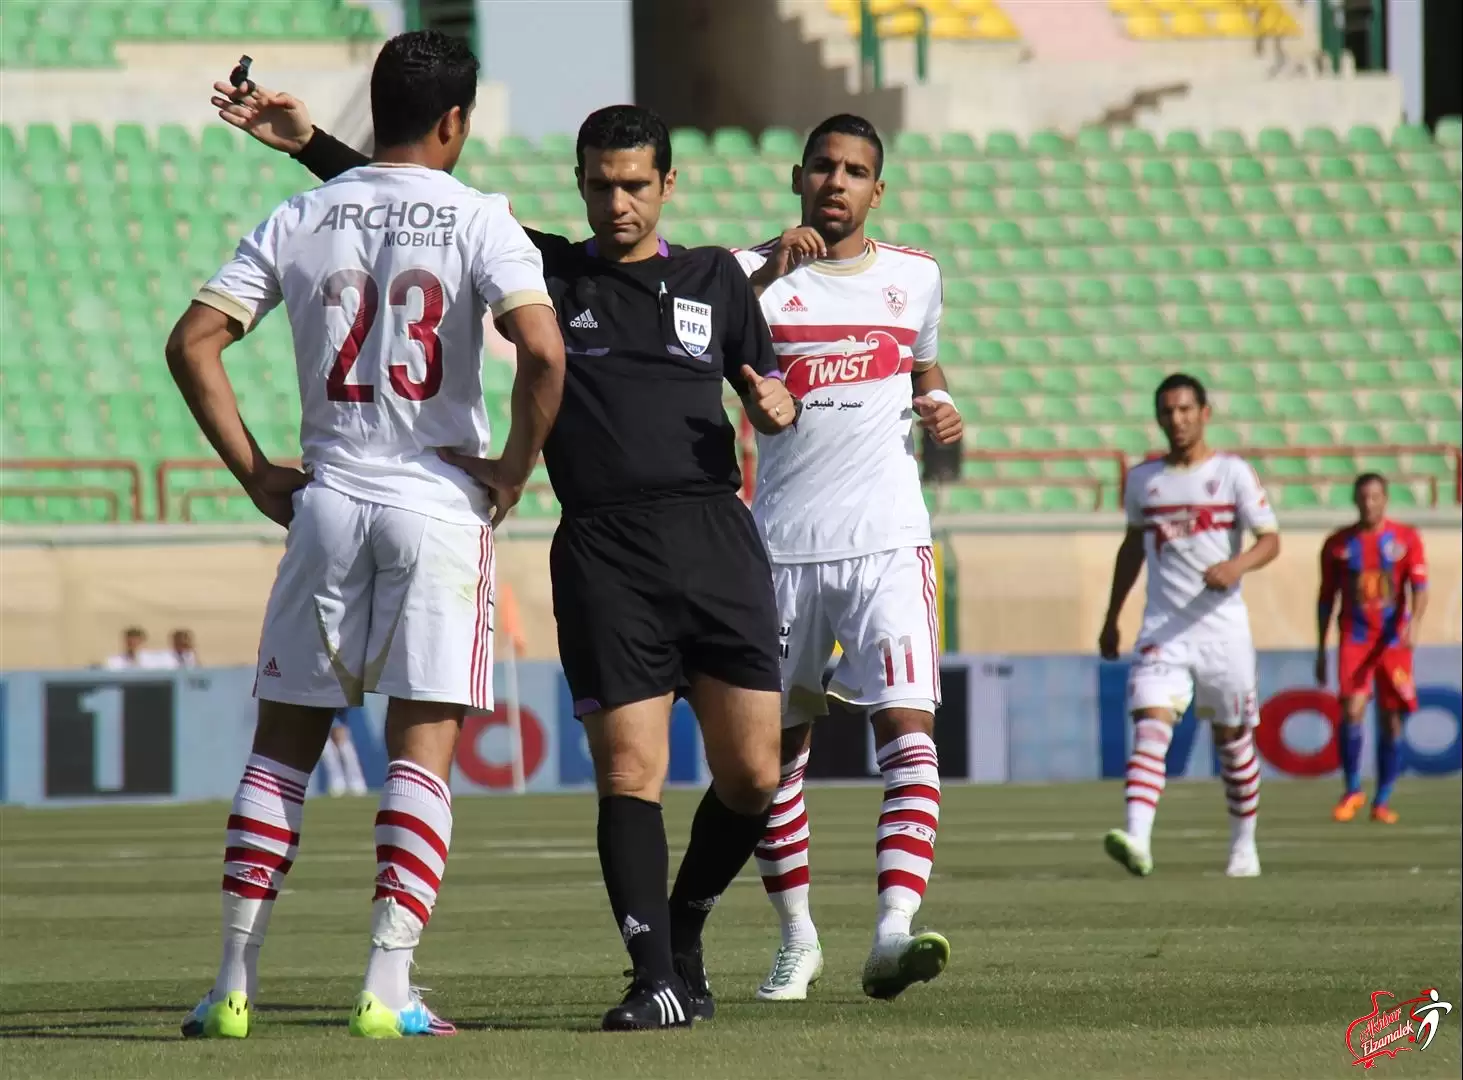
(646, 597)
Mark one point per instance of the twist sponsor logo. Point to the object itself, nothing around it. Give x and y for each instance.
(1388, 1030)
(873, 359)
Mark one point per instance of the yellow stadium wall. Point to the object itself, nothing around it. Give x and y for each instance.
(65, 606)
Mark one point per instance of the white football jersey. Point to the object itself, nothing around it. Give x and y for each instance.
(845, 481)
(1192, 519)
(386, 273)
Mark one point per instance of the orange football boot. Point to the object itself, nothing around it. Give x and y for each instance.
(1348, 807)
(1386, 815)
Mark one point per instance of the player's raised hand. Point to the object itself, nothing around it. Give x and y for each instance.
(273, 492)
(941, 419)
(278, 120)
(794, 247)
(1107, 642)
(505, 484)
(774, 408)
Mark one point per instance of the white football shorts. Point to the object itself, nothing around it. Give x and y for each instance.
(1217, 675)
(881, 610)
(374, 598)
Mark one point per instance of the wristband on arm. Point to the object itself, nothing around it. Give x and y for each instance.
(327, 157)
(943, 396)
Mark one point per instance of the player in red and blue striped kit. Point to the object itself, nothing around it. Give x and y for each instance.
(1378, 567)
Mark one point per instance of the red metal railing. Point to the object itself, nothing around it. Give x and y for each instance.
(1095, 483)
(1453, 454)
(185, 500)
(129, 468)
(165, 469)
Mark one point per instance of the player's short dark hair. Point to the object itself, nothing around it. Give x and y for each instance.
(419, 77)
(134, 631)
(1368, 478)
(1179, 381)
(625, 127)
(847, 124)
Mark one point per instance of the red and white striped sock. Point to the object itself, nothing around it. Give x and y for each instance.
(1147, 776)
(413, 833)
(782, 856)
(1240, 769)
(263, 837)
(905, 845)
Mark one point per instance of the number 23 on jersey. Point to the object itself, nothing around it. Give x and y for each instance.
(423, 331)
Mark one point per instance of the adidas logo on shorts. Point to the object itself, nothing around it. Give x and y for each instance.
(271, 669)
(584, 321)
(795, 305)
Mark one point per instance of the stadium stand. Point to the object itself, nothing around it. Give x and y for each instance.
(955, 20)
(1312, 278)
(1168, 20)
(45, 34)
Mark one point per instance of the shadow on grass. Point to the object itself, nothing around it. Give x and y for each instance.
(181, 1010)
(96, 1031)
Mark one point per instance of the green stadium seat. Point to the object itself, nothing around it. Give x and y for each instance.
(1236, 230)
(732, 144)
(1436, 254)
(1411, 137)
(1003, 144)
(1259, 200)
(1297, 497)
(1449, 132)
(1214, 201)
(689, 144)
(1291, 170)
(1389, 256)
(957, 144)
(1273, 141)
(1319, 140)
(1183, 142)
(781, 142)
(1247, 171)
(1278, 230)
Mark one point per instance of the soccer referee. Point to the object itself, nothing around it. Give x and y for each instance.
(661, 583)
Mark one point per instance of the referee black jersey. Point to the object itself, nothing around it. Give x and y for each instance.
(647, 345)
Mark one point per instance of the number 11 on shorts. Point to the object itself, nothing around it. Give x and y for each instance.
(886, 647)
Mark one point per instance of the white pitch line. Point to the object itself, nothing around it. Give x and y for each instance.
(558, 848)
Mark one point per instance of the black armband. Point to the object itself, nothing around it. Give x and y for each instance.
(327, 157)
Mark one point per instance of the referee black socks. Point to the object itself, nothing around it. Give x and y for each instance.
(634, 861)
(721, 843)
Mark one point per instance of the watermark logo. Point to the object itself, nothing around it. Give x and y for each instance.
(1389, 1030)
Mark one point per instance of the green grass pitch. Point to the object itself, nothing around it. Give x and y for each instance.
(1063, 967)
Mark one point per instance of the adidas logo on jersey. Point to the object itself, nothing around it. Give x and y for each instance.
(631, 927)
(795, 306)
(584, 321)
(271, 669)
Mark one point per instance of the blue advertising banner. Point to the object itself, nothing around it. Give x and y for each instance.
(101, 736)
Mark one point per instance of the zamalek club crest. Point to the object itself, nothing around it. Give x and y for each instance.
(895, 299)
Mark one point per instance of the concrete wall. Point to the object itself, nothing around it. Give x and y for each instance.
(714, 63)
(559, 61)
(1035, 592)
